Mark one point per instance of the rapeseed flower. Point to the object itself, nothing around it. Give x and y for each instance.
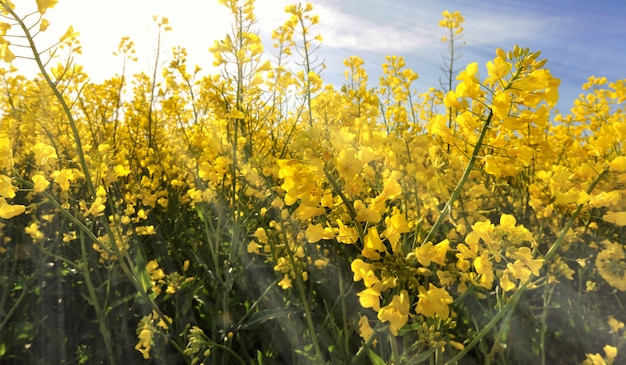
(434, 302)
(144, 345)
(611, 265)
(396, 312)
(8, 211)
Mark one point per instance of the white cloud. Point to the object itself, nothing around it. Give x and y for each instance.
(383, 32)
(348, 27)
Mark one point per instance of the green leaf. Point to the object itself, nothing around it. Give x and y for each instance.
(140, 270)
(24, 331)
(376, 360)
(423, 356)
(269, 314)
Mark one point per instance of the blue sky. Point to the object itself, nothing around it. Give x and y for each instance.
(579, 38)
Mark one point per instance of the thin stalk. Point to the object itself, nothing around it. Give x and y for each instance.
(93, 296)
(459, 186)
(16, 305)
(367, 345)
(307, 69)
(395, 355)
(547, 297)
(346, 202)
(256, 302)
(229, 351)
(303, 298)
(344, 311)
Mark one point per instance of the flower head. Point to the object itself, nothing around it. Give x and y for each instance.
(434, 301)
(396, 312)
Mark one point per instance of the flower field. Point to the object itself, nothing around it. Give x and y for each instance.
(260, 215)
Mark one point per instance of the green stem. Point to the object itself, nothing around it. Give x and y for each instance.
(16, 305)
(93, 296)
(393, 342)
(344, 311)
(459, 186)
(229, 351)
(346, 202)
(256, 302)
(366, 346)
(303, 297)
(547, 296)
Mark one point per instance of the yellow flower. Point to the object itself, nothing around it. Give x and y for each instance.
(483, 267)
(317, 232)
(8, 211)
(285, 283)
(617, 218)
(145, 342)
(366, 214)
(306, 212)
(597, 359)
(254, 247)
(320, 263)
(498, 69)
(97, 207)
(611, 266)
(63, 178)
(481, 230)
(594, 359)
(615, 324)
(518, 270)
(145, 230)
(43, 153)
(347, 235)
(395, 226)
(34, 232)
(610, 352)
(524, 255)
(373, 245)
(434, 301)
(391, 190)
(370, 297)
(6, 153)
(505, 281)
(437, 253)
(360, 268)
(512, 234)
(365, 330)
(451, 20)
(348, 165)
(40, 183)
(469, 85)
(261, 235)
(618, 164)
(70, 236)
(396, 312)
(152, 268)
(7, 190)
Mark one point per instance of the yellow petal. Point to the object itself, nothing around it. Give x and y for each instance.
(618, 164)
(618, 218)
(43, 5)
(8, 211)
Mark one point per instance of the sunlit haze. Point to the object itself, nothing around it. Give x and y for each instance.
(579, 40)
